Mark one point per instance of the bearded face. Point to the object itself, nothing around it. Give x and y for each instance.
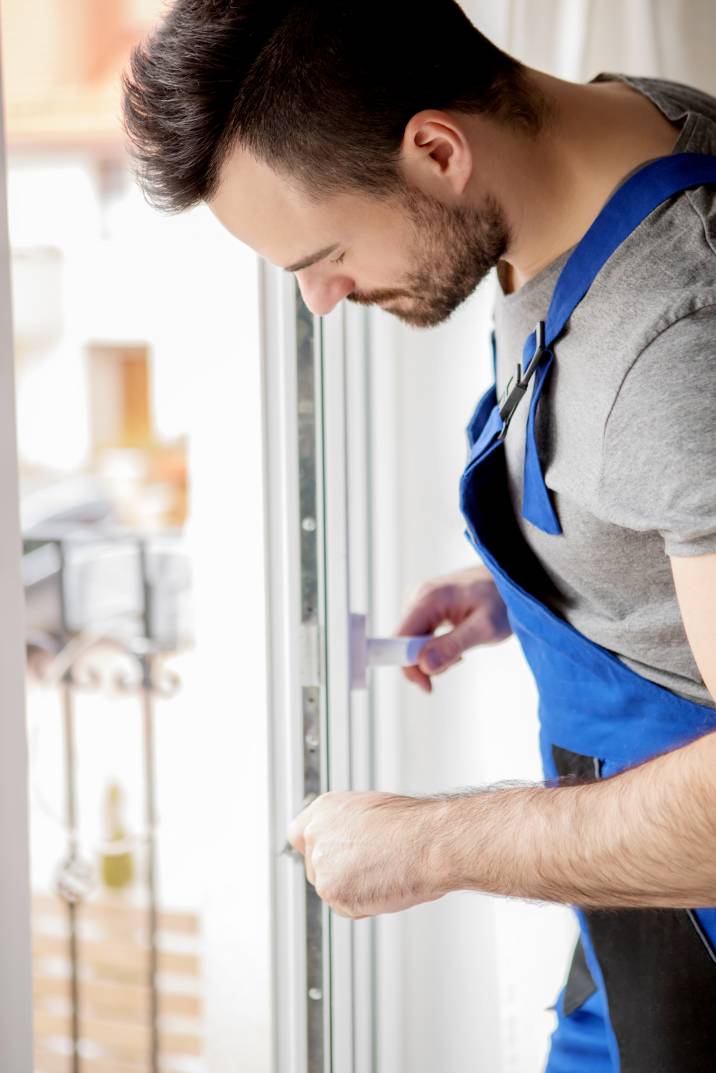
(408, 251)
(451, 251)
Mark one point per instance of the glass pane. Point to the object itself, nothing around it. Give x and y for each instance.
(139, 402)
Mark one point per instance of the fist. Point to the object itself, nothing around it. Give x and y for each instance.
(371, 853)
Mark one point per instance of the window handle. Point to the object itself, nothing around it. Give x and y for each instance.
(379, 651)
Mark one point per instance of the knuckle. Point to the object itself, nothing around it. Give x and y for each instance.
(324, 890)
(450, 592)
(341, 911)
(424, 590)
(420, 594)
(318, 856)
(453, 651)
(332, 892)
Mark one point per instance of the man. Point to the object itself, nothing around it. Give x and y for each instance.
(391, 155)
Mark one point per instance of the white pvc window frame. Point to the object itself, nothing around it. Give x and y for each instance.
(313, 661)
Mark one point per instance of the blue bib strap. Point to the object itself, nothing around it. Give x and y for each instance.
(624, 211)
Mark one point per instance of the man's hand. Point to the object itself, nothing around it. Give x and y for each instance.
(469, 600)
(369, 853)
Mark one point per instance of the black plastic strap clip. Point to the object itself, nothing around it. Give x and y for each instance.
(515, 393)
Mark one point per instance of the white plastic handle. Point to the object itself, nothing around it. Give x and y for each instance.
(398, 651)
(380, 651)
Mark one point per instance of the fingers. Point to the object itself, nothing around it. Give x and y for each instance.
(414, 674)
(429, 607)
(299, 836)
(445, 650)
(468, 602)
(421, 678)
(308, 863)
(296, 833)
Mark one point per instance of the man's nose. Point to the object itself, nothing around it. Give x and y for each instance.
(323, 295)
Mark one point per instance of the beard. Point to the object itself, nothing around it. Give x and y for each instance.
(452, 250)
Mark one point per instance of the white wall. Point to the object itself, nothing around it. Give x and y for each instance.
(467, 978)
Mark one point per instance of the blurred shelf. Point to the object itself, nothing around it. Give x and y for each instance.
(68, 120)
(114, 990)
(62, 64)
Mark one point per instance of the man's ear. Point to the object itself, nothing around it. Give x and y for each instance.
(435, 153)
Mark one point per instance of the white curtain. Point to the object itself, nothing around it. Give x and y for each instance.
(578, 38)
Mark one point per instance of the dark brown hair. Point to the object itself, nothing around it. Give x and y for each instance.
(321, 91)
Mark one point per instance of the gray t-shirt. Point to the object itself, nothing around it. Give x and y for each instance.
(626, 424)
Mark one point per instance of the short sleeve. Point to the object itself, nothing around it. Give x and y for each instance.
(658, 468)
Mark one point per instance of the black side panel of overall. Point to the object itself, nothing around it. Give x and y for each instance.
(580, 982)
(660, 976)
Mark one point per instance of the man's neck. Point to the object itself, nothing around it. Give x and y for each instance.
(553, 185)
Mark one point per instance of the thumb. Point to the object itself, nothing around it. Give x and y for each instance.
(295, 831)
(442, 651)
(294, 835)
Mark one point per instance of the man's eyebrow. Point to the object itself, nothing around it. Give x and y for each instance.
(308, 261)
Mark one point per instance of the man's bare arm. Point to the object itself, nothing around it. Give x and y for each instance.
(646, 837)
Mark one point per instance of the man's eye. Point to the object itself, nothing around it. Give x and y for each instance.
(337, 260)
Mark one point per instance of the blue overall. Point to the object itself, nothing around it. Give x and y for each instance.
(641, 993)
